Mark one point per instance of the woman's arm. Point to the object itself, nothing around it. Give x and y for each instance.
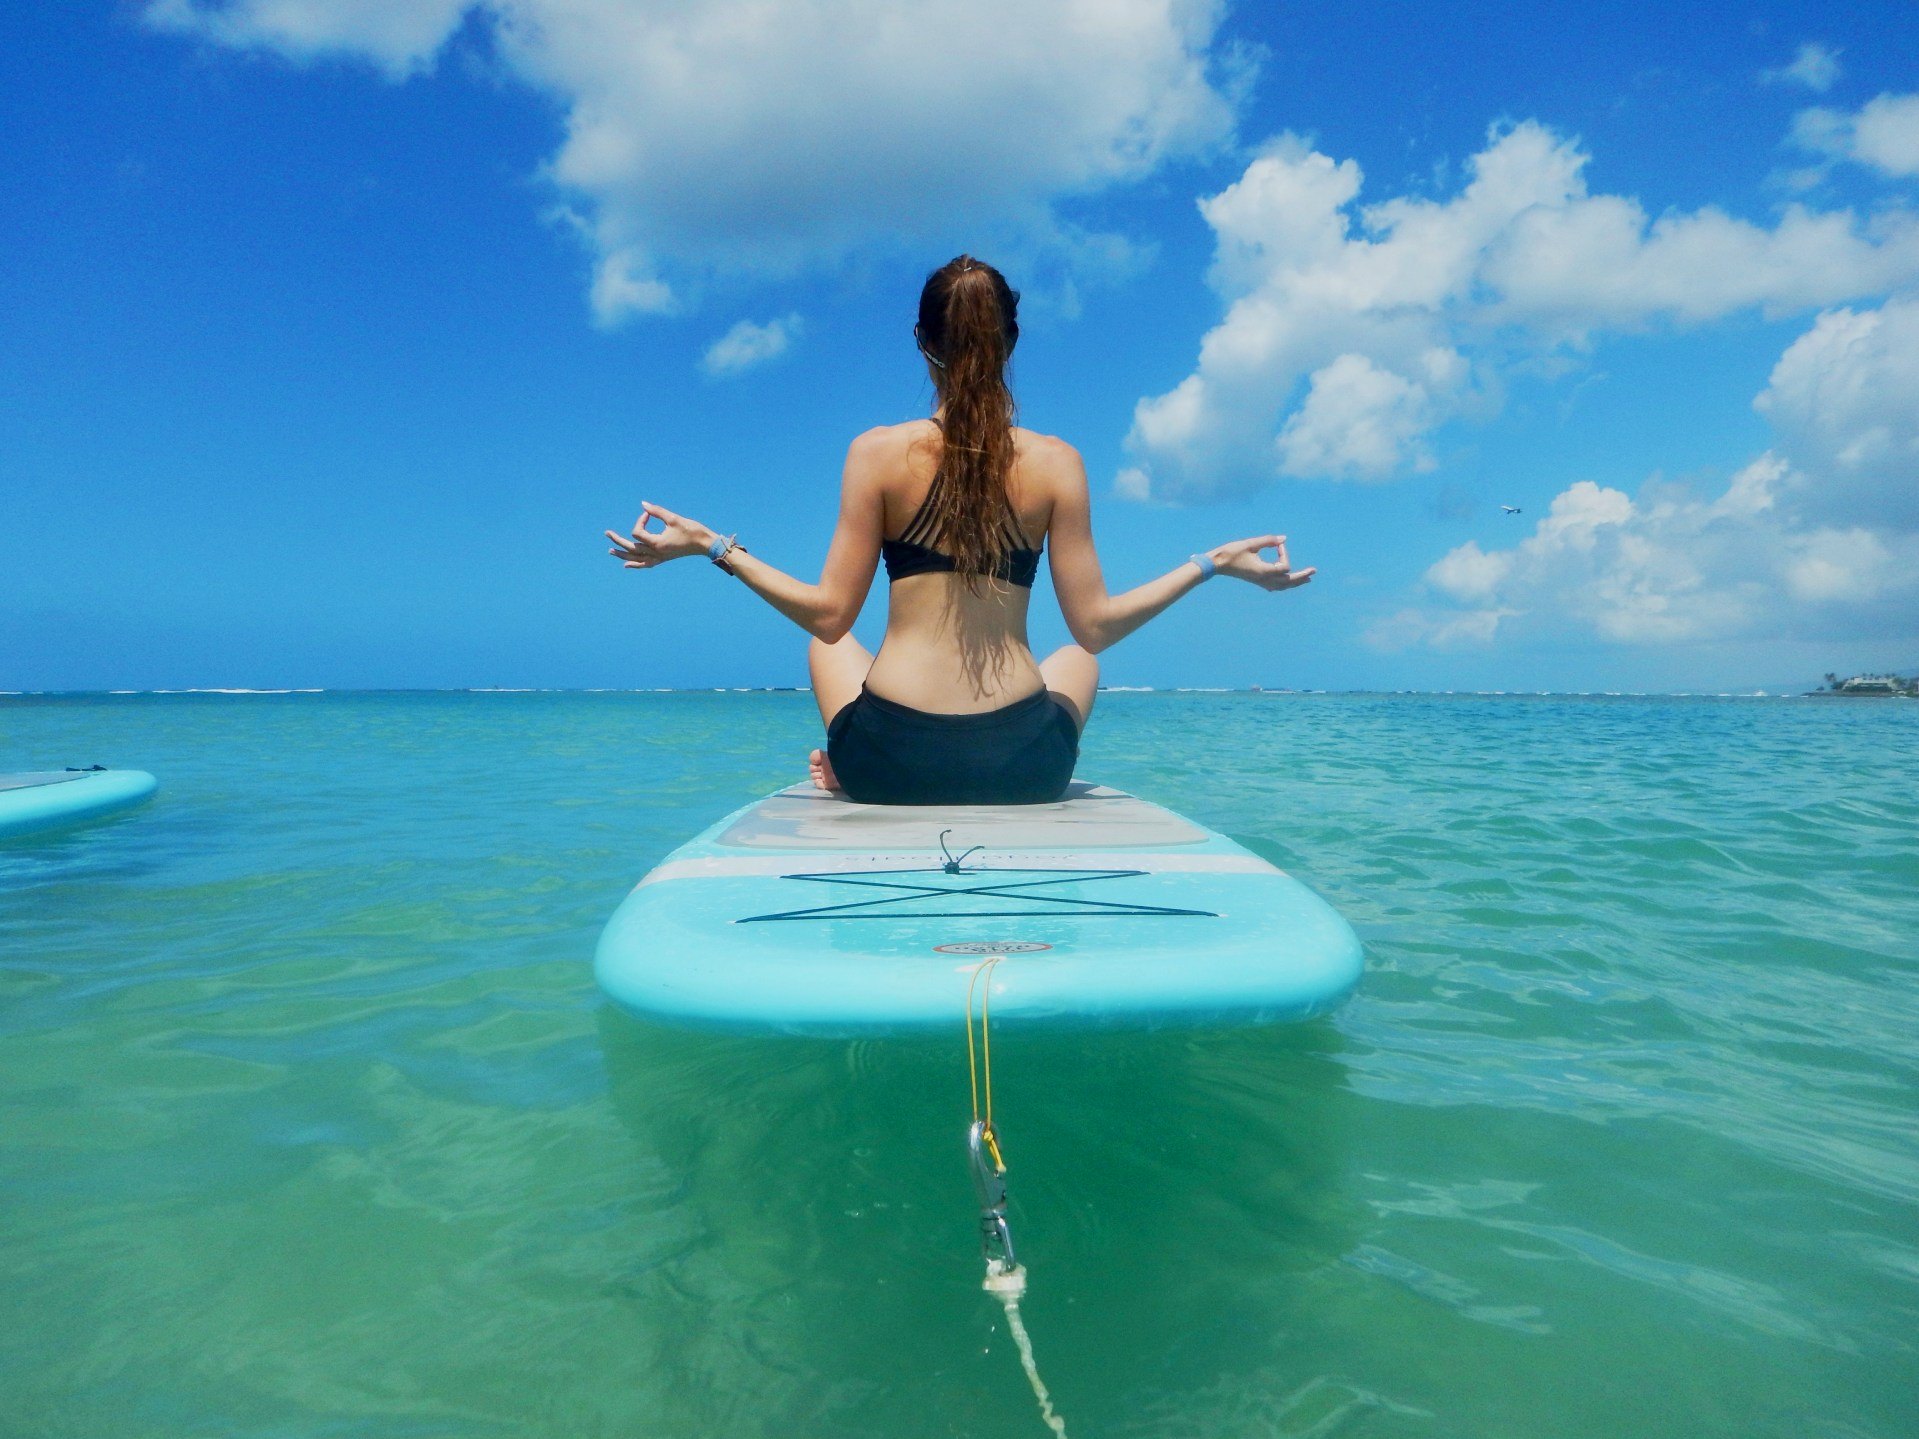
(825, 610)
(1097, 619)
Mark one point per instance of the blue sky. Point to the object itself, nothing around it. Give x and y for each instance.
(332, 334)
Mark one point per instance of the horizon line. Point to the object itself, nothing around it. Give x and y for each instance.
(241, 691)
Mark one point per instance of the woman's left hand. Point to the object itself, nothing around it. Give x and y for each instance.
(678, 538)
(1243, 561)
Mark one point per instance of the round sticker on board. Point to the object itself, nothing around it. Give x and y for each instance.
(991, 946)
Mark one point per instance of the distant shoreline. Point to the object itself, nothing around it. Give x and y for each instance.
(235, 692)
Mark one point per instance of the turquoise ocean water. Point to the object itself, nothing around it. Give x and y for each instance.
(312, 1122)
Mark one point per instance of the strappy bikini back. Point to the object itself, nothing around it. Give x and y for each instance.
(913, 553)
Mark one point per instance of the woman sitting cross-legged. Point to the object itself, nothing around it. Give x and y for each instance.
(954, 709)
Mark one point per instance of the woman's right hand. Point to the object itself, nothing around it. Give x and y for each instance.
(1243, 560)
(678, 538)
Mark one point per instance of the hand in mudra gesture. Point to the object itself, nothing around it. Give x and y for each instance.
(1243, 560)
(678, 538)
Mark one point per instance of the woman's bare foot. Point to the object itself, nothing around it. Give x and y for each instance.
(822, 769)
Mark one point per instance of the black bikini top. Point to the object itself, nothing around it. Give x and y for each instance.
(913, 554)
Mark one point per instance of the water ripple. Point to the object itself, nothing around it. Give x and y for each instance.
(315, 1124)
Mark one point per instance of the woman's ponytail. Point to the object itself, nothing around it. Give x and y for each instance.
(968, 327)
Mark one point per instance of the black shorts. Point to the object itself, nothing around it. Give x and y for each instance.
(889, 753)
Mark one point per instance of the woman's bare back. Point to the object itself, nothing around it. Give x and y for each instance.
(947, 649)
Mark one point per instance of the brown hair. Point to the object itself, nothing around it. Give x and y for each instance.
(967, 329)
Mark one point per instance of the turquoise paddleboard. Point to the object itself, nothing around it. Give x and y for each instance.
(806, 913)
(54, 799)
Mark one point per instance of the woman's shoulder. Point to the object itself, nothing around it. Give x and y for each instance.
(1042, 447)
(888, 455)
(1047, 456)
(911, 447)
(904, 436)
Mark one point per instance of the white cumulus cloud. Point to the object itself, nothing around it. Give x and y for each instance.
(1470, 574)
(1361, 422)
(748, 344)
(1883, 134)
(1459, 629)
(1352, 331)
(1819, 535)
(1844, 399)
(400, 37)
(1813, 65)
(1661, 567)
(760, 137)
(1850, 565)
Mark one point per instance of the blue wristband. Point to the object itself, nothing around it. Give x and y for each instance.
(717, 550)
(1207, 569)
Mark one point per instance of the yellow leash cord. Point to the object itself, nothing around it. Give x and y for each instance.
(986, 1050)
(1005, 1276)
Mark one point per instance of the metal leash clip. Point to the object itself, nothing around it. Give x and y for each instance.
(989, 1183)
